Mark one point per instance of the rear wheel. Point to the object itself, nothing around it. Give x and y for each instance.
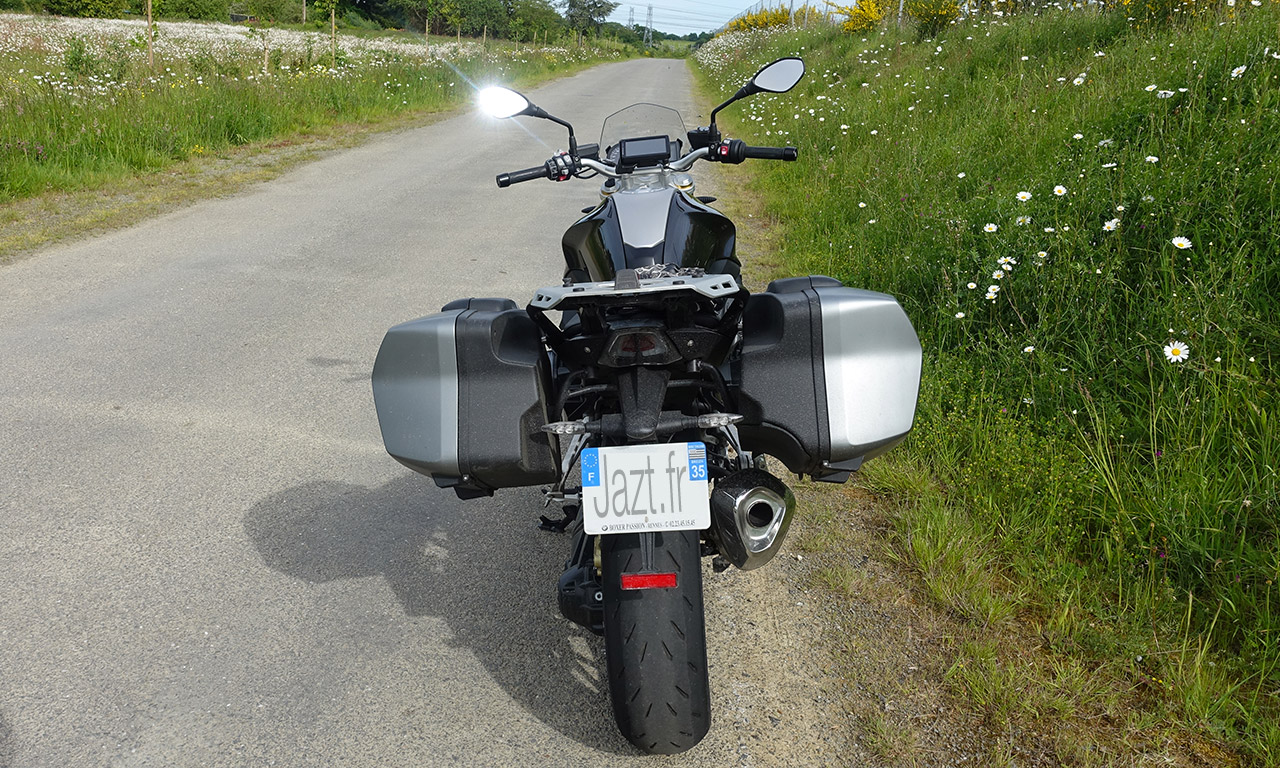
(655, 641)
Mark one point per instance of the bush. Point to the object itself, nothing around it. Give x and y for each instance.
(930, 16)
(101, 9)
(864, 16)
(771, 17)
(210, 10)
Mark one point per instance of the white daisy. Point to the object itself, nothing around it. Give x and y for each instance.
(1181, 242)
(990, 228)
(959, 315)
(1059, 190)
(1028, 349)
(1238, 71)
(1177, 352)
(1024, 196)
(1022, 220)
(971, 286)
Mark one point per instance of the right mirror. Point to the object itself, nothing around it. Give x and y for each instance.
(780, 76)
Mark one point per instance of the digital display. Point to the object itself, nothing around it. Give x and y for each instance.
(650, 150)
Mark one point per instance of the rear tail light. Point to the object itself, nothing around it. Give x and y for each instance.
(648, 580)
(638, 348)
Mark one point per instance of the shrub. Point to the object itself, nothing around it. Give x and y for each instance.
(770, 17)
(102, 9)
(930, 16)
(863, 16)
(211, 10)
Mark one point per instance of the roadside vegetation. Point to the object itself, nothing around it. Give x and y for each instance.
(81, 106)
(1080, 211)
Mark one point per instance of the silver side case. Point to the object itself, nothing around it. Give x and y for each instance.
(415, 390)
(871, 363)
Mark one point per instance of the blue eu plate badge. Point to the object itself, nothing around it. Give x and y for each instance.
(637, 488)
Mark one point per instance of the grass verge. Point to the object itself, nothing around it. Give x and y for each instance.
(1056, 197)
(85, 115)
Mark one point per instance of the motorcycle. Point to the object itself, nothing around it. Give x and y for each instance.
(660, 379)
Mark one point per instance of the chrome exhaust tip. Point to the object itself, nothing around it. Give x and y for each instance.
(750, 513)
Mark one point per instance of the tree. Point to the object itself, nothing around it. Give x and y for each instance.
(587, 14)
(531, 18)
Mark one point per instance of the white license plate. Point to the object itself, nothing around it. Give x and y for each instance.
(639, 488)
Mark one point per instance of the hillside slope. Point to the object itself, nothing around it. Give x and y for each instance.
(1079, 212)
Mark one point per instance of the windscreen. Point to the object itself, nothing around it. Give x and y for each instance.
(642, 120)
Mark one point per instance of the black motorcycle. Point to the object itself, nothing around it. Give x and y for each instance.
(645, 392)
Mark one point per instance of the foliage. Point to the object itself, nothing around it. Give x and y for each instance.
(763, 19)
(209, 10)
(1055, 198)
(584, 15)
(932, 16)
(860, 18)
(91, 8)
(82, 106)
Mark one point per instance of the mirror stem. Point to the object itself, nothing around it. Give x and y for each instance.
(535, 111)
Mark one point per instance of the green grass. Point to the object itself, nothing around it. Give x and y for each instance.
(85, 109)
(1063, 474)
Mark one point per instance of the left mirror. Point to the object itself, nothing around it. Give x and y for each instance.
(780, 76)
(497, 101)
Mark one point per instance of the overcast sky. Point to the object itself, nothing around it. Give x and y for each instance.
(680, 17)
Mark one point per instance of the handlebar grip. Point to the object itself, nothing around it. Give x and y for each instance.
(770, 153)
(528, 174)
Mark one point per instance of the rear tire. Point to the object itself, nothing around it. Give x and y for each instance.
(655, 642)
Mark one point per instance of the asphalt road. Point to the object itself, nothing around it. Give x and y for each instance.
(206, 557)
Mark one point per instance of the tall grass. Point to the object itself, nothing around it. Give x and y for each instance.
(1140, 491)
(80, 105)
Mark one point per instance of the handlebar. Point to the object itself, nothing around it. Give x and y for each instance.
(528, 174)
(732, 151)
(771, 153)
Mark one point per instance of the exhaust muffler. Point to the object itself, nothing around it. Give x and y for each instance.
(750, 514)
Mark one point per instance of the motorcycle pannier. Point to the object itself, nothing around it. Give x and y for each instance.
(828, 375)
(462, 397)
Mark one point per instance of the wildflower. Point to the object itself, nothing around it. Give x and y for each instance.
(1106, 142)
(993, 289)
(959, 315)
(1177, 352)
(1024, 196)
(998, 274)
(1050, 230)
(971, 286)
(1077, 136)
(1028, 349)
(1042, 254)
(1151, 87)
(1148, 199)
(862, 205)
(960, 175)
(1108, 165)
(1182, 243)
(1059, 190)
(1238, 71)
(1112, 225)
(990, 228)
(1078, 81)
(1152, 159)
(1167, 94)
(1022, 221)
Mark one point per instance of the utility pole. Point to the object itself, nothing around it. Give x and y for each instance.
(648, 28)
(631, 18)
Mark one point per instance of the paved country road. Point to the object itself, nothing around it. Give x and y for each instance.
(206, 557)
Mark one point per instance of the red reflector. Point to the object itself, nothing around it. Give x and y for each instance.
(648, 580)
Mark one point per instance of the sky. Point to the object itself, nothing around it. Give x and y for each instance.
(680, 17)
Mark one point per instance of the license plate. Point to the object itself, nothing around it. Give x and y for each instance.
(639, 488)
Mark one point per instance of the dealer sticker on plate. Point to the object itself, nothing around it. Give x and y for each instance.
(637, 488)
